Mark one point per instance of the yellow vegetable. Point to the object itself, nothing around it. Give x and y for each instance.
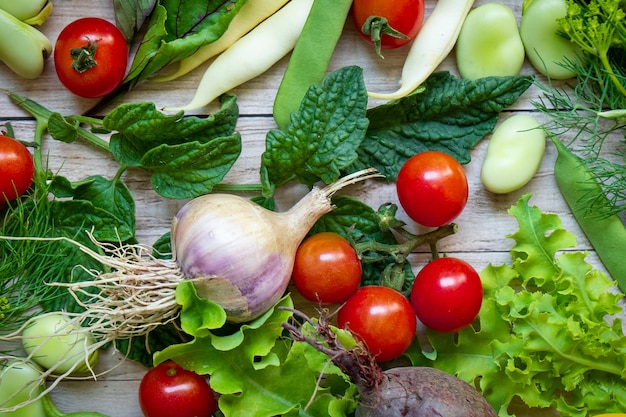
(431, 46)
(250, 15)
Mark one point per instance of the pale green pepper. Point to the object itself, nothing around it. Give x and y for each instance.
(489, 43)
(33, 12)
(514, 154)
(546, 48)
(23, 48)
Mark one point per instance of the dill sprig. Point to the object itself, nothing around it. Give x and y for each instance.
(591, 110)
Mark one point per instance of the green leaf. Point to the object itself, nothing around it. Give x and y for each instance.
(191, 169)
(105, 205)
(260, 374)
(542, 334)
(176, 29)
(198, 315)
(323, 135)
(450, 115)
(131, 14)
(140, 127)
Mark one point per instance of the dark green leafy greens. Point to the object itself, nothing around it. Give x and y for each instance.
(543, 333)
(130, 15)
(450, 115)
(175, 29)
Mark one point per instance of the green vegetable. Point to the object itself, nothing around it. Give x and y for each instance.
(130, 15)
(450, 115)
(23, 48)
(310, 57)
(254, 365)
(542, 333)
(585, 198)
(53, 342)
(596, 27)
(32, 12)
(547, 49)
(251, 55)
(20, 382)
(175, 30)
(513, 155)
(489, 43)
(323, 135)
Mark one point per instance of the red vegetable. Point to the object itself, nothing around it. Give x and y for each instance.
(16, 169)
(388, 23)
(382, 318)
(447, 294)
(327, 269)
(90, 57)
(432, 188)
(168, 390)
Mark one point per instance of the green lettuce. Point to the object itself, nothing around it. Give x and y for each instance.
(547, 331)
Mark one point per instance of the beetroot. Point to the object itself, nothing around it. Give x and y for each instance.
(397, 392)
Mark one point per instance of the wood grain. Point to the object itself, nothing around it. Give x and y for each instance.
(483, 226)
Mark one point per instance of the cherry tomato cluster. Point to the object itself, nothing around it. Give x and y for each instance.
(447, 293)
(90, 57)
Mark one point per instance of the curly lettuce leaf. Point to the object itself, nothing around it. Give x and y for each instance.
(255, 369)
(542, 332)
(450, 115)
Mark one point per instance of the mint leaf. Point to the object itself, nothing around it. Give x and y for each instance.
(191, 169)
(140, 127)
(106, 206)
(323, 135)
(543, 333)
(451, 115)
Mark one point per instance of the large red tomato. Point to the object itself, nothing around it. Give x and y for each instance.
(327, 269)
(16, 169)
(168, 390)
(377, 19)
(380, 317)
(447, 294)
(432, 188)
(90, 57)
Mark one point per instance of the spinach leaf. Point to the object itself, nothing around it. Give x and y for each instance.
(323, 135)
(450, 115)
(105, 206)
(130, 15)
(187, 156)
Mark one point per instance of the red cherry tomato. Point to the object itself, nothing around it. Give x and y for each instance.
(327, 269)
(403, 16)
(16, 169)
(168, 390)
(380, 317)
(432, 188)
(447, 294)
(90, 57)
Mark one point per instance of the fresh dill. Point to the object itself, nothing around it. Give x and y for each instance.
(591, 110)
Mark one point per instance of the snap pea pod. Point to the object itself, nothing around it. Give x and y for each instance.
(607, 234)
(310, 57)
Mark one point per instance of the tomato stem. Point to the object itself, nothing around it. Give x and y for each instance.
(84, 58)
(375, 27)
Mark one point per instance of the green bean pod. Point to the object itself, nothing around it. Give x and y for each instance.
(607, 234)
(23, 48)
(310, 57)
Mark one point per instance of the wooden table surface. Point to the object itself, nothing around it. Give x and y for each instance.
(483, 226)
